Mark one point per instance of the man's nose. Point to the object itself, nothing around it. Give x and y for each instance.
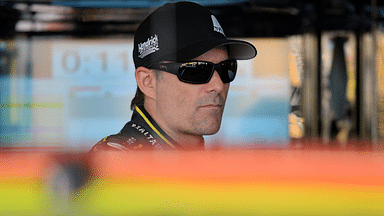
(215, 84)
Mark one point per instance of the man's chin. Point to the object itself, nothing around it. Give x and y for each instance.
(211, 130)
(208, 124)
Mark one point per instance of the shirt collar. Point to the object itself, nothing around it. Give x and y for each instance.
(141, 114)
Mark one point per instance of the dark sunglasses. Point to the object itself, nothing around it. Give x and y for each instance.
(199, 72)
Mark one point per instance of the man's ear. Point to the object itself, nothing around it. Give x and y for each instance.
(146, 81)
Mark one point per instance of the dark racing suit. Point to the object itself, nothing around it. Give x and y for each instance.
(141, 133)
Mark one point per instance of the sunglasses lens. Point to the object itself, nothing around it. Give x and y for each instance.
(196, 72)
(227, 71)
(201, 72)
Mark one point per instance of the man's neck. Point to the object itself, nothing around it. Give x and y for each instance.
(189, 142)
(185, 140)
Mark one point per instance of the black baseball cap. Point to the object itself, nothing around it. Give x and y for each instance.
(180, 32)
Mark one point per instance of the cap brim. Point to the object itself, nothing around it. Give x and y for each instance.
(239, 50)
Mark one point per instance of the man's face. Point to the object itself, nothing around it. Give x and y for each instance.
(192, 109)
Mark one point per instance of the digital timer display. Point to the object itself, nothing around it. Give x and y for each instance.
(92, 60)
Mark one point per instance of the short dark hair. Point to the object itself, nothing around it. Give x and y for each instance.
(138, 99)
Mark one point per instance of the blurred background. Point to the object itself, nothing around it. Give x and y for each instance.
(67, 75)
(67, 80)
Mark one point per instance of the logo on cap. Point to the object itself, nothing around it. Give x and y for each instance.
(149, 46)
(217, 26)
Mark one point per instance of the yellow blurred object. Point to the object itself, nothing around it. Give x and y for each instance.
(296, 127)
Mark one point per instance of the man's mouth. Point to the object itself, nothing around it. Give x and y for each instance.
(212, 106)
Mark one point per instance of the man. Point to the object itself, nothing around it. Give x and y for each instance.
(184, 64)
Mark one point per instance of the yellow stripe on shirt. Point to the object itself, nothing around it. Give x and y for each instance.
(153, 127)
